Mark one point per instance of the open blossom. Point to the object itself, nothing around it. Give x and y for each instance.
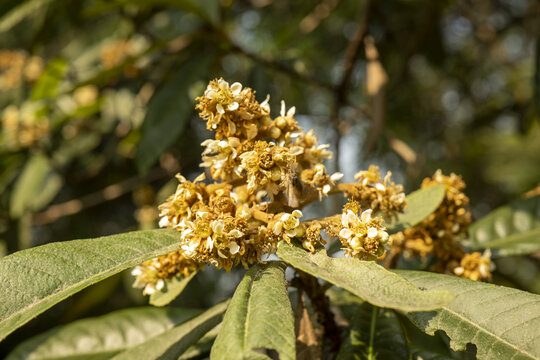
(221, 157)
(377, 193)
(364, 237)
(288, 226)
(320, 180)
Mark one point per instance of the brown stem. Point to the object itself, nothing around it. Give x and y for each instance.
(321, 305)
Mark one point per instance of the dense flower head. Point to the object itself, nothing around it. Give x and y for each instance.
(152, 275)
(362, 235)
(17, 66)
(439, 235)
(378, 193)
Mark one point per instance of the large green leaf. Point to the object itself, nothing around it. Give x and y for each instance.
(37, 185)
(365, 279)
(169, 111)
(420, 204)
(511, 229)
(374, 333)
(33, 280)
(173, 288)
(173, 343)
(259, 317)
(102, 337)
(203, 346)
(503, 323)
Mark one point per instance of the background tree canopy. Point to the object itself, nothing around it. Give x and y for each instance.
(97, 96)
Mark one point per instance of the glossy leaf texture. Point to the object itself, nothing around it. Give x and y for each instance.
(365, 279)
(420, 204)
(33, 280)
(374, 332)
(502, 323)
(174, 342)
(259, 317)
(169, 111)
(513, 229)
(173, 288)
(102, 337)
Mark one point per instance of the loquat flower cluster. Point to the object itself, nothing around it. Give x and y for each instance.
(261, 172)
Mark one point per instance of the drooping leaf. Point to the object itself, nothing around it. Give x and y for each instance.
(365, 279)
(37, 185)
(420, 204)
(374, 333)
(47, 84)
(169, 111)
(503, 323)
(173, 288)
(512, 229)
(33, 280)
(102, 337)
(203, 346)
(174, 342)
(259, 317)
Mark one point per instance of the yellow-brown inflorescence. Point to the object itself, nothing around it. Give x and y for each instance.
(440, 234)
(152, 274)
(377, 193)
(262, 170)
(16, 67)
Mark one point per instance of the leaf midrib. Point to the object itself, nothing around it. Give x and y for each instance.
(91, 280)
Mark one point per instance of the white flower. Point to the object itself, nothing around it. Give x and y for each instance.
(164, 222)
(288, 224)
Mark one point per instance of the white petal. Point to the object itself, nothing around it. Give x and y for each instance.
(164, 222)
(326, 189)
(149, 290)
(236, 88)
(220, 108)
(380, 187)
(285, 217)
(210, 242)
(291, 112)
(296, 150)
(384, 237)
(372, 232)
(336, 176)
(344, 220)
(351, 217)
(459, 270)
(277, 228)
(221, 255)
(233, 247)
(297, 214)
(160, 284)
(366, 215)
(236, 233)
(233, 106)
(345, 233)
(217, 226)
(136, 271)
(282, 113)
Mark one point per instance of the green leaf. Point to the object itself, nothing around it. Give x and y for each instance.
(374, 334)
(102, 337)
(173, 343)
(17, 14)
(173, 288)
(259, 317)
(169, 111)
(513, 229)
(33, 280)
(207, 9)
(365, 279)
(37, 185)
(47, 84)
(420, 204)
(503, 323)
(203, 346)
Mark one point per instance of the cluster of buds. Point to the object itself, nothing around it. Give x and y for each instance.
(116, 53)
(23, 127)
(16, 66)
(377, 193)
(151, 275)
(261, 171)
(440, 234)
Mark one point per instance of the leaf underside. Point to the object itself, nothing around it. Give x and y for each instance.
(365, 279)
(33, 280)
(259, 317)
(503, 323)
(102, 337)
